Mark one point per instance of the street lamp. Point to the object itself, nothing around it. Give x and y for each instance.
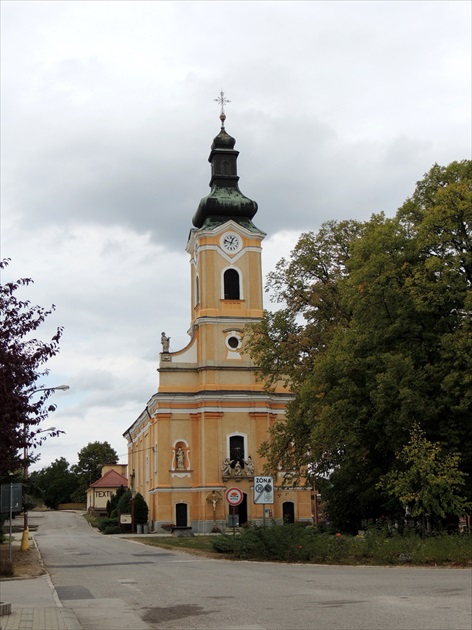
(25, 537)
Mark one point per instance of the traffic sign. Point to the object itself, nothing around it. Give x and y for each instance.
(263, 490)
(234, 496)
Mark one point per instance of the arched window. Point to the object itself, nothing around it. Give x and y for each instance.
(231, 285)
(236, 450)
(225, 168)
(197, 291)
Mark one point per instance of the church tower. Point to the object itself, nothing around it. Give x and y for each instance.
(200, 433)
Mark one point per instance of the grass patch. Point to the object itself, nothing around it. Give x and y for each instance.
(193, 543)
(91, 519)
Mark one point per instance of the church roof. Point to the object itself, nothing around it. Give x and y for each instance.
(225, 200)
(111, 479)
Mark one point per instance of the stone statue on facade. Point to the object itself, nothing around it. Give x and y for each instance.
(179, 455)
(165, 341)
(226, 468)
(249, 467)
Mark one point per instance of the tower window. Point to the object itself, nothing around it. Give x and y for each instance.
(233, 343)
(231, 285)
(197, 291)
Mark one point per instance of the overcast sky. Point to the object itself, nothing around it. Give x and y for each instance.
(107, 117)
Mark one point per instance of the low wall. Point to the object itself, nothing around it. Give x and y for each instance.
(72, 506)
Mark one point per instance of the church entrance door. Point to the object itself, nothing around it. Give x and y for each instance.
(288, 511)
(241, 510)
(181, 515)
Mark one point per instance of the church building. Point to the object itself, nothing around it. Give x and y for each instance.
(200, 433)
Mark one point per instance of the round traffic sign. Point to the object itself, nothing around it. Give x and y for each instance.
(234, 496)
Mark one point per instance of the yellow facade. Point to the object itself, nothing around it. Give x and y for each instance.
(200, 433)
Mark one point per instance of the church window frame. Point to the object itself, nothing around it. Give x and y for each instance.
(233, 340)
(230, 449)
(229, 290)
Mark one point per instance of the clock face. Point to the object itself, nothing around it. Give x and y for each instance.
(231, 242)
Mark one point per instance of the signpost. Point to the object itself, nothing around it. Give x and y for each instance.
(263, 493)
(234, 497)
(11, 495)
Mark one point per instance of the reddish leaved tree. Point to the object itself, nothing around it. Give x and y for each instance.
(22, 358)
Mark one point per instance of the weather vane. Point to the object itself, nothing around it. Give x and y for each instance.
(222, 100)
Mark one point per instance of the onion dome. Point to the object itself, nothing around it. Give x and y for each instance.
(225, 200)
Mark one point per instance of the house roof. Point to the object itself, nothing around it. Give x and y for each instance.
(111, 479)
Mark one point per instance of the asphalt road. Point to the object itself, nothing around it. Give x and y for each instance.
(113, 584)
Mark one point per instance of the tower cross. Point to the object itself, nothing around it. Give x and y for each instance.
(222, 100)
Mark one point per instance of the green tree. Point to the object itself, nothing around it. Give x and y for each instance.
(426, 479)
(112, 504)
(141, 510)
(124, 503)
(374, 333)
(91, 459)
(53, 484)
(22, 358)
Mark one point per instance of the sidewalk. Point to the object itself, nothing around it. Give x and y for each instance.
(35, 606)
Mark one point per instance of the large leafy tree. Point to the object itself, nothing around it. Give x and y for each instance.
(92, 457)
(54, 484)
(374, 334)
(22, 361)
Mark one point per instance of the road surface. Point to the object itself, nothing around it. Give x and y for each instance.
(113, 584)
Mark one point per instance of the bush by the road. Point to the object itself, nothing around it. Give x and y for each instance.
(292, 543)
(104, 523)
(112, 529)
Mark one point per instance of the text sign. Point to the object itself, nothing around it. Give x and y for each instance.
(263, 490)
(125, 519)
(234, 496)
(11, 497)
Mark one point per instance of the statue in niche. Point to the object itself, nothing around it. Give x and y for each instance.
(226, 468)
(180, 456)
(165, 341)
(249, 467)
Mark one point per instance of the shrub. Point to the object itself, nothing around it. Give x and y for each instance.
(224, 544)
(115, 500)
(103, 523)
(291, 543)
(124, 503)
(112, 529)
(141, 509)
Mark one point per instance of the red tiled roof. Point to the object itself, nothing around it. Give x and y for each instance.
(111, 479)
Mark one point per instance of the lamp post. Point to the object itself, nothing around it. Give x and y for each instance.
(25, 537)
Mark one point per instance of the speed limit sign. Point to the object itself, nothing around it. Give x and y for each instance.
(234, 496)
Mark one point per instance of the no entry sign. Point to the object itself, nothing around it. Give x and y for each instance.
(234, 496)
